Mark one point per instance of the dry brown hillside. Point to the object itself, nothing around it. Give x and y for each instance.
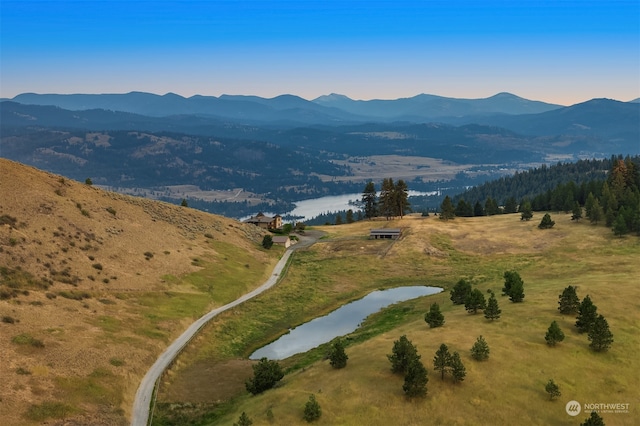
(93, 286)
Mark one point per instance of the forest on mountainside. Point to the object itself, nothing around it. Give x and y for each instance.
(608, 190)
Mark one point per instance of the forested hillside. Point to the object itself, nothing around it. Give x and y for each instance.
(609, 191)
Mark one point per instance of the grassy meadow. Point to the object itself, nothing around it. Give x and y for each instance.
(208, 378)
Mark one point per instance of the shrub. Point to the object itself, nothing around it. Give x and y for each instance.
(23, 371)
(312, 410)
(8, 320)
(97, 266)
(116, 362)
(266, 373)
(111, 210)
(27, 339)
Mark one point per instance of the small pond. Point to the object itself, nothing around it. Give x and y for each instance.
(340, 322)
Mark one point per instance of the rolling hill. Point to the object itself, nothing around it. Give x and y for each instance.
(93, 286)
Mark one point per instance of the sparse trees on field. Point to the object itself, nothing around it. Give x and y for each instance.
(597, 213)
(337, 357)
(442, 360)
(312, 410)
(593, 420)
(552, 389)
(369, 201)
(460, 292)
(434, 317)
(458, 372)
(577, 212)
(546, 222)
(554, 334)
(243, 420)
(587, 314)
(415, 380)
(513, 286)
(403, 353)
(266, 374)
(568, 301)
(526, 212)
(474, 301)
(492, 311)
(480, 349)
(447, 211)
(599, 334)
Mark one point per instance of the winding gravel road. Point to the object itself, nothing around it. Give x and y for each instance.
(140, 416)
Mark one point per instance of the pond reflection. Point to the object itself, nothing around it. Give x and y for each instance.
(342, 321)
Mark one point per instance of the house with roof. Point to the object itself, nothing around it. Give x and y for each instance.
(282, 240)
(265, 222)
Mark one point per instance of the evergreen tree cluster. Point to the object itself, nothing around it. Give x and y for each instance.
(608, 190)
(393, 200)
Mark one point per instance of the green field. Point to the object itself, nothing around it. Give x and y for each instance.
(208, 378)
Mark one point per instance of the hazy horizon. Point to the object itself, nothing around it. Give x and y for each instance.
(557, 52)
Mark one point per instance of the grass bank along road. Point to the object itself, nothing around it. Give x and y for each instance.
(144, 394)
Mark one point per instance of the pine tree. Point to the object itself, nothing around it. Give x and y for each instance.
(387, 202)
(415, 381)
(474, 301)
(526, 212)
(478, 210)
(599, 334)
(243, 420)
(402, 353)
(511, 205)
(597, 213)
(513, 286)
(593, 420)
(552, 389)
(587, 314)
(401, 198)
(312, 410)
(349, 216)
(546, 222)
(337, 357)
(492, 311)
(369, 201)
(577, 212)
(619, 225)
(434, 317)
(266, 373)
(446, 209)
(442, 360)
(568, 302)
(480, 349)
(554, 334)
(460, 292)
(458, 372)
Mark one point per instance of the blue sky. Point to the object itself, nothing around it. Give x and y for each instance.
(556, 51)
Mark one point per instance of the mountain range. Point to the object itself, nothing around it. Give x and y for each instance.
(286, 148)
(331, 109)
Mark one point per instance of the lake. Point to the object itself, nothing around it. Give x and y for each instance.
(340, 322)
(308, 209)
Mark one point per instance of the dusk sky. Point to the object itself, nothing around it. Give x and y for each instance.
(555, 51)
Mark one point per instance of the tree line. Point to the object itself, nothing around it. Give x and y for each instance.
(612, 197)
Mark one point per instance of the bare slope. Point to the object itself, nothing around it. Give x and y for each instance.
(95, 284)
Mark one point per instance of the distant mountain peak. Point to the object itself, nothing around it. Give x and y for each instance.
(332, 97)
